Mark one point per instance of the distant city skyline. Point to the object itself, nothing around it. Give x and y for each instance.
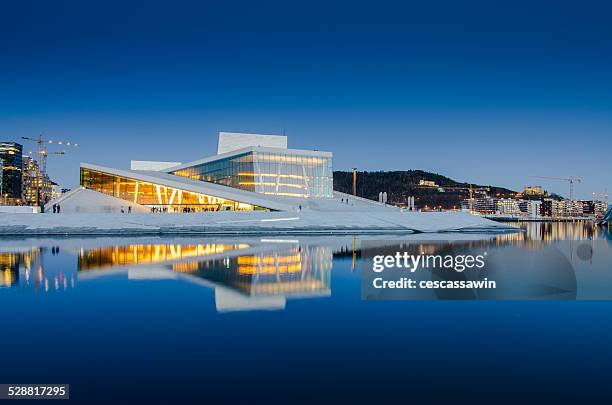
(472, 91)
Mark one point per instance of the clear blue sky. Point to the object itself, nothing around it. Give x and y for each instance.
(486, 92)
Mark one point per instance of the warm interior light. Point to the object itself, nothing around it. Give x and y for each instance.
(250, 183)
(153, 253)
(289, 176)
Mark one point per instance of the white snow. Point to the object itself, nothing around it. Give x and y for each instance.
(244, 222)
(87, 212)
(88, 201)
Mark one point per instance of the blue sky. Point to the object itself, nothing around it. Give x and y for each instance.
(482, 91)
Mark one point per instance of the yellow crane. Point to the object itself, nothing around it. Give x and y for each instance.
(571, 180)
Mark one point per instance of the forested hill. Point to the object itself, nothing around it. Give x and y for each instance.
(400, 185)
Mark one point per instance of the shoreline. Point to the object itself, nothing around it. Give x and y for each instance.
(543, 219)
(245, 223)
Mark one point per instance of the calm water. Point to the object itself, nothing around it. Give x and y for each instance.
(281, 319)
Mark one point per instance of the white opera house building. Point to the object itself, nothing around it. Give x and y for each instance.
(254, 184)
(249, 172)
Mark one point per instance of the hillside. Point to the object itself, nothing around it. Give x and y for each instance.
(400, 185)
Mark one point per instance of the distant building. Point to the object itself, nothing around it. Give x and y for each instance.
(36, 186)
(427, 183)
(505, 206)
(30, 174)
(600, 208)
(546, 207)
(12, 166)
(531, 208)
(485, 205)
(567, 208)
(508, 206)
(534, 191)
(593, 207)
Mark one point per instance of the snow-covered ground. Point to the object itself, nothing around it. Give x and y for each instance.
(88, 212)
(244, 222)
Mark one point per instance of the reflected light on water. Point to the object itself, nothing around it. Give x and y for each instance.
(185, 304)
(554, 231)
(26, 269)
(254, 269)
(285, 271)
(148, 253)
(237, 270)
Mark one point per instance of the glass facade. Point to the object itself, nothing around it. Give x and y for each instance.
(279, 173)
(157, 196)
(10, 175)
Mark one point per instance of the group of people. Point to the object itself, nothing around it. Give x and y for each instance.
(129, 210)
(155, 210)
(56, 208)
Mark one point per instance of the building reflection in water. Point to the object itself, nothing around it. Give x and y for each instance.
(149, 254)
(26, 269)
(252, 274)
(555, 231)
(9, 264)
(243, 276)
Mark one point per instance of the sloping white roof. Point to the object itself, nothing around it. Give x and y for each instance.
(83, 200)
(196, 186)
(152, 165)
(245, 223)
(340, 202)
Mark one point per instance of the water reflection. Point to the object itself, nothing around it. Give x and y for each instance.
(254, 275)
(555, 231)
(25, 268)
(110, 256)
(149, 304)
(10, 263)
(245, 273)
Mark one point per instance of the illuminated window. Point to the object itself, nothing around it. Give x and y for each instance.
(156, 195)
(283, 174)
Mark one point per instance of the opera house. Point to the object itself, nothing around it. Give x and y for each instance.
(249, 172)
(254, 184)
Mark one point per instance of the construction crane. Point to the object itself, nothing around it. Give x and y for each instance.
(471, 189)
(45, 155)
(42, 160)
(571, 180)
